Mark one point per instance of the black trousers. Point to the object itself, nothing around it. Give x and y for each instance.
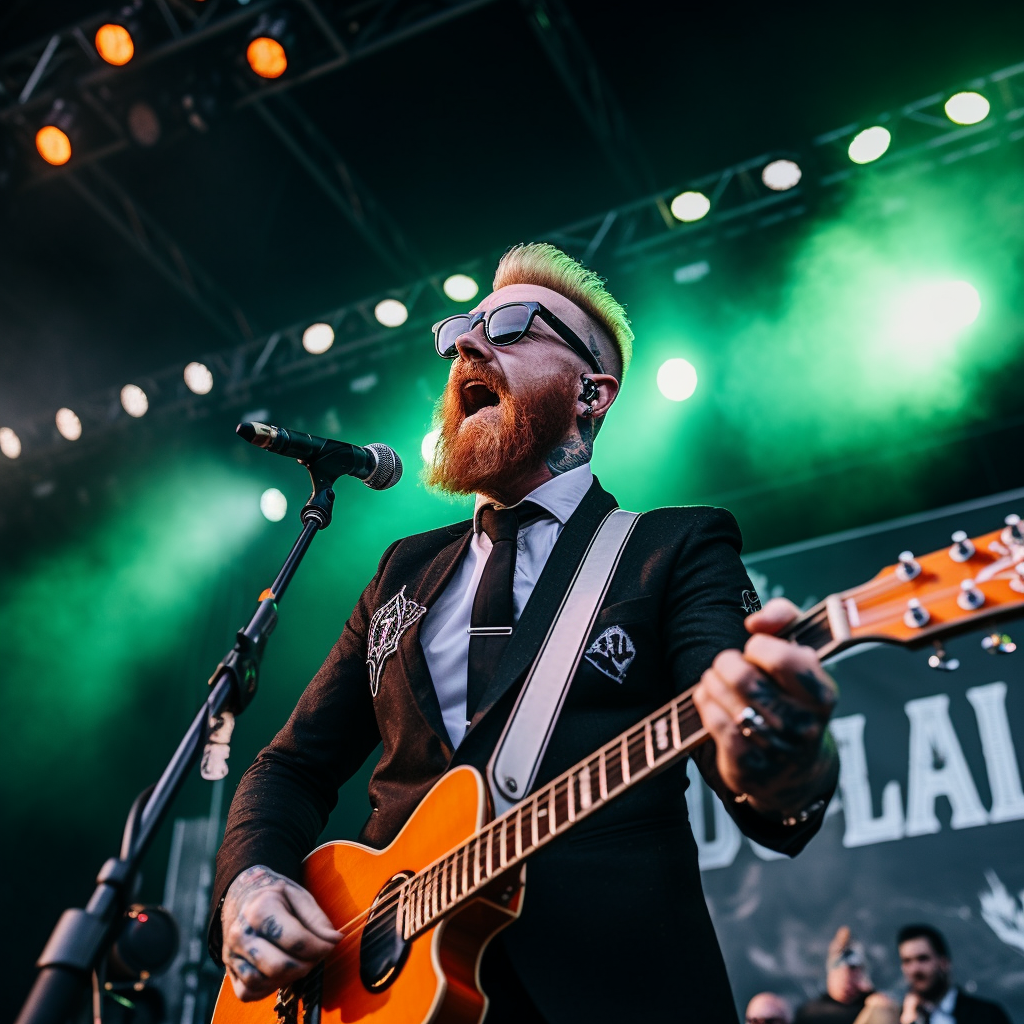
(509, 1001)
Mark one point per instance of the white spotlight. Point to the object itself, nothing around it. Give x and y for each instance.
(460, 287)
(781, 175)
(429, 444)
(273, 504)
(10, 443)
(677, 379)
(198, 378)
(318, 338)
(134, 400)
(690, 206)
(391, 312)
(68, 424)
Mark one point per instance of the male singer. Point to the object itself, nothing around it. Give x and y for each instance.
(614, 925)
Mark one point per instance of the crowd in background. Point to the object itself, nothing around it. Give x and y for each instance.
(932, 996)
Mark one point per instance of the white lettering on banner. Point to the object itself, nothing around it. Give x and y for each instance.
(938, 768)
(721, 851)
(862, 829)
(989, 703)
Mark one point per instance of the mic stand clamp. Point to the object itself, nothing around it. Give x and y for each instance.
(81, 939)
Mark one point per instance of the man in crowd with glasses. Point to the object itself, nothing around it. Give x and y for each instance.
(614, 924)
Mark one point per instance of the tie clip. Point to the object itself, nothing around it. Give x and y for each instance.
(489, 631)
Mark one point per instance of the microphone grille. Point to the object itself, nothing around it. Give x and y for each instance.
(388, 470)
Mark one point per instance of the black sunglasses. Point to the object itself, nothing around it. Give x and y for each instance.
(505, 325)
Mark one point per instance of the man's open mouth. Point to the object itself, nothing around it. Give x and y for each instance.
(476, 395)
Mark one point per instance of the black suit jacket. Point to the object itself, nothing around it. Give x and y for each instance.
(971, 1010)
(614, 921)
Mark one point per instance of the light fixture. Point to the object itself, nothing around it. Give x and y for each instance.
(391, 312)
(10, 443)
(53, 145)
(460, 287)
(690, 206)
(266, 57)
(781, 175)
(68, 424)
(273, 504)
(134, 400)
(143, 124)
(869, 144)
(318, 338)
(677, 379)
(198, 378)
(429, 444)
(967, 108)
(114, 44)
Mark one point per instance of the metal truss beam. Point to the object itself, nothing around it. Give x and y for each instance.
(586, 84)
(149, 240)
(629, 236)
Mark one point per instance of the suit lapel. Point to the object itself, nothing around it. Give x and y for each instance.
(544, 602)
(425, 592)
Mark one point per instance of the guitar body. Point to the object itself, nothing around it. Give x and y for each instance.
(438, 979)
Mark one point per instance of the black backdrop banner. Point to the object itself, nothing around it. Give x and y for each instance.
(928, 822)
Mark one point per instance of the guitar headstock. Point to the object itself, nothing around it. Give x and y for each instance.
(922, 599)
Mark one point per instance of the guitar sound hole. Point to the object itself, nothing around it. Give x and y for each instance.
(383, 950)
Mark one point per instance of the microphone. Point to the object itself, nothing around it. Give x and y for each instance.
(377, 465)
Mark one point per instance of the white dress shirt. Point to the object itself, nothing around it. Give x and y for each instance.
(943, 1013)
(444, 634)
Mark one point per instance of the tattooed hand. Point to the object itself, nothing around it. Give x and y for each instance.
(780, 753)
(274, 933)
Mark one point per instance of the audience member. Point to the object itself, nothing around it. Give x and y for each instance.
(768, 1008)
(849, 996)
(932, 999)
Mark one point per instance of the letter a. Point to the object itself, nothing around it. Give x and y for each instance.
(989, 703)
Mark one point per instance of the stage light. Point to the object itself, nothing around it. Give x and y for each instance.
(429, 444)
(143, 124)
(460, 288)
(53, 145)
(114, 44)
(869, 144)
(198, 378)
(273, 504)
(690, 206)
(318, 338)
(391, 312)
(691, 273)
(937, 312)
(134, 400)
(68, 424)
(967, 108)
(781, 175)
(10, 443)
(677, 379)
(266, 57)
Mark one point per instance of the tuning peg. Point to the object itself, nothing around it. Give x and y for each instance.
(998, 643)
(1017, 582)
(963, 547)
(908, 568)
(1013, 534)
(916, 614)
(941, 662)
(970, 597)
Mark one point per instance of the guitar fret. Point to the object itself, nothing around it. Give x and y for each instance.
(612, 771)
(434, 909)
(638, 760)
(677, 740)
(465, 869)
(490, 853)
(519, 832)
(586, 792)
(455, 877)
(442, 894)
(534, 825)
(625, 760)
(648, 744)
(571, 791)
(551, 811)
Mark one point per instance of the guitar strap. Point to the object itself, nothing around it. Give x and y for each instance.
(516, 760)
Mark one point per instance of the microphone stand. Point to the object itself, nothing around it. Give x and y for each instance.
(81, 939)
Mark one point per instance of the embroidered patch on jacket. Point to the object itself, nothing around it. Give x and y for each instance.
(388, 624)
(612, 653)
(751, 602)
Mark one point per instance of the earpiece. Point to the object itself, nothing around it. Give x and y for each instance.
(590, 391)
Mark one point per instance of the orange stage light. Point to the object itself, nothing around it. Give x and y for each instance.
(266, 57)
(53, 145)
(114, 44)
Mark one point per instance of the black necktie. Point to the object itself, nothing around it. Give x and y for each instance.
(492, 617)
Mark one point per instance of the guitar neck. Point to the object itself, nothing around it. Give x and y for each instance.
(659, 740)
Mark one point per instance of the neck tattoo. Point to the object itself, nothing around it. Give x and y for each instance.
(574, 451)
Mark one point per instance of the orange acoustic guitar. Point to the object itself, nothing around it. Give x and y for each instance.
(417, 915)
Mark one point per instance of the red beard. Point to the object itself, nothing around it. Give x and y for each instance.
(501, 442)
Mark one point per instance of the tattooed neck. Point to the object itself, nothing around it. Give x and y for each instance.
(574, 451)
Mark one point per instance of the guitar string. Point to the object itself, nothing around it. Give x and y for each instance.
(687, 716)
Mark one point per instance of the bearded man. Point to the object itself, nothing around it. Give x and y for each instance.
(614, 926)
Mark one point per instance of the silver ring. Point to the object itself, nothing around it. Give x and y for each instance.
(749, 721)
